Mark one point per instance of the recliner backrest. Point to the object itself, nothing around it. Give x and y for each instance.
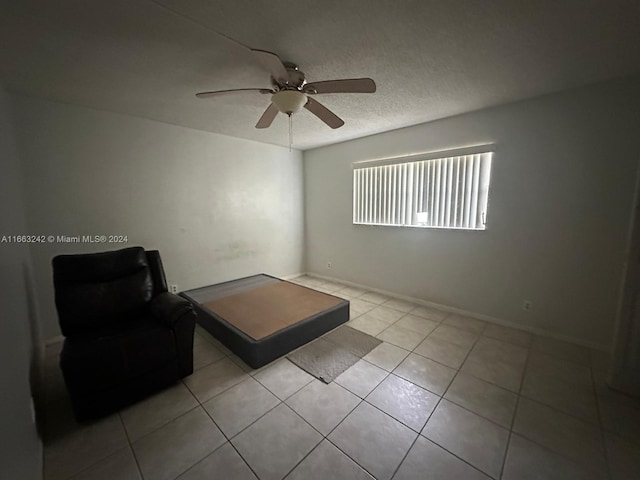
(98, 289)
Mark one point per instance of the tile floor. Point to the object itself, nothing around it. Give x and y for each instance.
(444, 397)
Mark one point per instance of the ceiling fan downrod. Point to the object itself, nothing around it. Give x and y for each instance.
(290, 130)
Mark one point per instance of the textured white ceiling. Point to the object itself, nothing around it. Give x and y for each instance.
(429, 59)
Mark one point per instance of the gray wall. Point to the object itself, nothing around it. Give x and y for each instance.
(216, 207)
(559, 207)
(20, 447)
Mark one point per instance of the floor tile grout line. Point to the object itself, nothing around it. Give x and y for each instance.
(426, 337)
(350, 458)
(570, 414)
(493, 385)
(280, 401)
(406, 380)
(222, 391)
(290, 471)
(431, 392)
(288, 397)
(437, 361)
(480, 335)
(211, 453)
(158, 427)
(201, 405)
(598, 402)
(228, 440)
(324, 437)
(549, 449)
(391, 416)
(431, 415)
(474, 318)
(302, 418)
(556, 409)
(100, 459)
(247, 379)
(521, 395)
(212, 361)
(476, 413)
(484, 380)
(394, 324)
(130, 444)
(354, 393)
(564, 457)
(391, 297)
(515, 413)
(253, 422)
(557, 356)
(86, 469)
(135, 459)
(361, 400)
(456, 456)
(340, 422)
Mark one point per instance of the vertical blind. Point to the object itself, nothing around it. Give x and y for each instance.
(449, 192)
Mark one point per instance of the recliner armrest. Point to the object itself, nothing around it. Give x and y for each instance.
(168, 308)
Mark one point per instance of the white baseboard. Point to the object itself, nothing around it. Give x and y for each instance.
(292, 276)
(426, 303)
(479, 316)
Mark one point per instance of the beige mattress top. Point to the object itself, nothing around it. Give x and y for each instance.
(265, 310)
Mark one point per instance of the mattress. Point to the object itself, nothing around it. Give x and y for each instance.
(261, 318)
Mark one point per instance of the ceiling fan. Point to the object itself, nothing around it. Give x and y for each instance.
(290, 91)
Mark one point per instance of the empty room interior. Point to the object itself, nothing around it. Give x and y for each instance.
(320, 240)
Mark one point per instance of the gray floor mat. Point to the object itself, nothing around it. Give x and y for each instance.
(329, 356)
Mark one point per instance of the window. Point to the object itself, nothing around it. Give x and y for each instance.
(448, 191)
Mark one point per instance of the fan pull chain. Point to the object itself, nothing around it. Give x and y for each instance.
(290, 131)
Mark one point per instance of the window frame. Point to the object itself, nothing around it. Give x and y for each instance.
(408, 197)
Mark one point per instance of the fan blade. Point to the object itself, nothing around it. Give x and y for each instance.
(235, 90)
(272, 62)
(349, 85)
(323, 113)
(267, 117)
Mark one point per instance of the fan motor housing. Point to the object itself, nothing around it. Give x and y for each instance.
(296, 76)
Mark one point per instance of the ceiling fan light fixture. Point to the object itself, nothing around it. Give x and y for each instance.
(289, 101)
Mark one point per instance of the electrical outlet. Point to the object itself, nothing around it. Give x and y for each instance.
(328, 264)
(527, 305)
(173, 288)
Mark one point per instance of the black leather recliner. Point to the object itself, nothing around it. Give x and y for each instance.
(126, 335)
